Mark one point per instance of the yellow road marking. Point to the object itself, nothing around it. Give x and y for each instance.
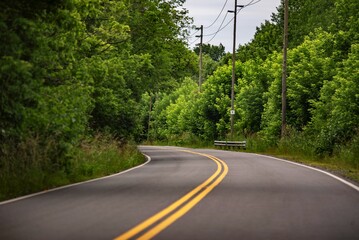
(184, 209)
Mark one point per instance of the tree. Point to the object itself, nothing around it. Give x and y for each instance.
(335, 116)
(271, 117)
(215, 52)
(37, 73)
(309, 65)
(157, 29)
(304, 17)
(250, 97)
(267, 39)
(173, 113)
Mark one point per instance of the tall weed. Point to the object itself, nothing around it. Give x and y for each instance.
(32, 165)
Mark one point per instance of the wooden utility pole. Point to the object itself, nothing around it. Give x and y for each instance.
(149, 119)
(233, 64)
(284, 70)
(200, 58)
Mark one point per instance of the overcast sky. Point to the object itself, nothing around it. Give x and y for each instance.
(204, 12)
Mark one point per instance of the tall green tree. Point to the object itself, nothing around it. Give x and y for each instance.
(309, 65)
(267, 39)
(157, 29)
(271, 117)
(37, 72)
(335, 116)
(304, 17)
(252, 86)
(215, 52)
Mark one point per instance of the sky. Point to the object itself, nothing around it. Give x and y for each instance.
(205, 12)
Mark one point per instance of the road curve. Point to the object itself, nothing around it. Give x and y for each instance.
(195, 194)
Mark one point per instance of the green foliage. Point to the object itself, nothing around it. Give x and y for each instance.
(174, 113)
(157, 29)
(335, 117)
(345, 28)
(215, 103)
(267, 39)
(271, 117)
(250, 98)
(304, 17)
(96, 58)
(215, 52)
(14, 100)
(209, 66)
(72, 68)
(62, 113)
(29, 167)
(322, 89)
(309, 65)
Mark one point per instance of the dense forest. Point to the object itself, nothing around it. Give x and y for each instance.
(73, 75)
(78, 76)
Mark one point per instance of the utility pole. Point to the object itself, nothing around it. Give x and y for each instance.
(284, 70)
(200, 57)
(233, 64)
(149, 119)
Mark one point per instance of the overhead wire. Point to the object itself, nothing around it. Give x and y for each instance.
(206, 27)
(224, 5)
(192, 36)
(220, 28)
(252, 3)
(194, 41)
(194, 33)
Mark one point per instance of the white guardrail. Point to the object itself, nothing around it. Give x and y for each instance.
(240, 144)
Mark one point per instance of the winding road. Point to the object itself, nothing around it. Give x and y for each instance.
(192, 194)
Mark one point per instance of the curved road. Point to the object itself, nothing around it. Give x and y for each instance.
(192, 194)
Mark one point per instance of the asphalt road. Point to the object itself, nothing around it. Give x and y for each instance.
(201, 194)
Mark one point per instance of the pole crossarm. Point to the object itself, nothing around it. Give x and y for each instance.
(200, 57)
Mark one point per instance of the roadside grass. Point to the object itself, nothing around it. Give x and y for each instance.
(29, 166)
(344, 161)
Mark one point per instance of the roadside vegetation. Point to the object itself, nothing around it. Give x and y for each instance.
(297, 148)
(73, 73)
(82, 82)
(33, 167)
(322, 88)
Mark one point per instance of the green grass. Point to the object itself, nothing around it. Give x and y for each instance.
(29, 167)
(344, 161)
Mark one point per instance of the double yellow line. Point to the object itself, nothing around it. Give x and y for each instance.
(148, 229)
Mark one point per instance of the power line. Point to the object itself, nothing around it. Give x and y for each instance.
(221, 28)
(217, 16)
(214, 34)
(194, 33)
(194, 41)
(224, 5)
(252, 3)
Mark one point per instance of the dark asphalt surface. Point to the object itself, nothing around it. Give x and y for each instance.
(260, 198)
